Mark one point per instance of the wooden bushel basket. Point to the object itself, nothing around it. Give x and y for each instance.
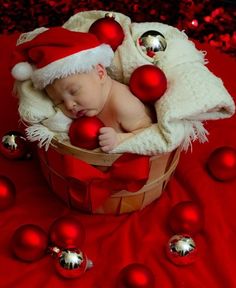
(162, 167)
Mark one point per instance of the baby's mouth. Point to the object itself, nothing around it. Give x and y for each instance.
(80, 113)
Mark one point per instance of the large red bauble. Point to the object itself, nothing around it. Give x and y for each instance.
(186, 217)
(108, 31)
(7, 192)
(84, 132)
(136, 275)
(67, 233)
(222, 163)
(29, 242)
(148, 83)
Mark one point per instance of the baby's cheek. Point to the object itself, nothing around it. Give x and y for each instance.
(65, 111)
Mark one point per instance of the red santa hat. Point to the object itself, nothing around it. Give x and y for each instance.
(57, 53)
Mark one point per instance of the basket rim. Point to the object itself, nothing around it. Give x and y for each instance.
(100, 157)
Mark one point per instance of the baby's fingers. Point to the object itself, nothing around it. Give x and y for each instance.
(105, 130)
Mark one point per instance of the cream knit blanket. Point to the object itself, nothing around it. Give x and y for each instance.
(193, 95)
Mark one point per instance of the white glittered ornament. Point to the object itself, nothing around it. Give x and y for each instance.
(71, 263)
(181, 249)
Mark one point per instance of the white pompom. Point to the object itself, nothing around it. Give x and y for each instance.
(22, 71)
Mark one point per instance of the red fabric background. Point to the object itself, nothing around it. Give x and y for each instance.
(113, 242)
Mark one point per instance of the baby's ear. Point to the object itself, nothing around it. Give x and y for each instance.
(101, 71)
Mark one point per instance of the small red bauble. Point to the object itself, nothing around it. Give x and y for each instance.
(72, 263)
(148, 83)
(29, 242)
(14, 146)
(84, 132)
(7, 192)
(136, 275)
(67, 233)
(222, 163)
(108, 31)
(186, 217)
(181, 249)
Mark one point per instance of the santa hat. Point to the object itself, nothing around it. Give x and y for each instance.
(57, 53)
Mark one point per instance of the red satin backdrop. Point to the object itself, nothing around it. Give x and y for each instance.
(114, 242)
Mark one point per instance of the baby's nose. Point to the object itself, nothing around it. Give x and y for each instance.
(70, 105)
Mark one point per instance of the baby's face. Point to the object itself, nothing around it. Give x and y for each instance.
(78, 95)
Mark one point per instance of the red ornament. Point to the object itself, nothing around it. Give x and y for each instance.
(148, 83)
(136, 275)
(108, 31)
(72, 263)
(186, 217)
(181, 249)
(222, 163)
(7, 192)
(29, 242)
(67, 233)
(84, 132)
(14, 146)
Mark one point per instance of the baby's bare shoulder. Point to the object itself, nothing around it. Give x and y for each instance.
(122, 96)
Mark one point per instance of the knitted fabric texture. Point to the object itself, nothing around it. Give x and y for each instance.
(193, 95)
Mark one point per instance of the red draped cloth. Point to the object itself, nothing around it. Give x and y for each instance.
(113, 242)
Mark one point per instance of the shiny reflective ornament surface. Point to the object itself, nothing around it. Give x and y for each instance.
(221, 163)
(14, 146)
(108, 30)
(181, 249)
(72, 263)
(148, 83)
(136, 275)
(29, 242)
(84, 132)
(186, 217)
(7, 192)
(150, 43)
(67, 232)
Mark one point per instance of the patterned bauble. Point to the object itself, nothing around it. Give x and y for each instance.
(108, 31)
(29, 242)
(181, 249)
(84, 132)
(67, 232)
(7, 192)
(186, 217)
(14, 146)
(150, 43)
(221, 163)
(148, 83)
(72, 263)
(136, 275)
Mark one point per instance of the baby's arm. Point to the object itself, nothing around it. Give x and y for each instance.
(132, 117)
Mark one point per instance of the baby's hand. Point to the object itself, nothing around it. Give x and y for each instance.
(108, 139)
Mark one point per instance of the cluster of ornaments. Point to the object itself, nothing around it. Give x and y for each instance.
(30, 243)
(186, 219)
